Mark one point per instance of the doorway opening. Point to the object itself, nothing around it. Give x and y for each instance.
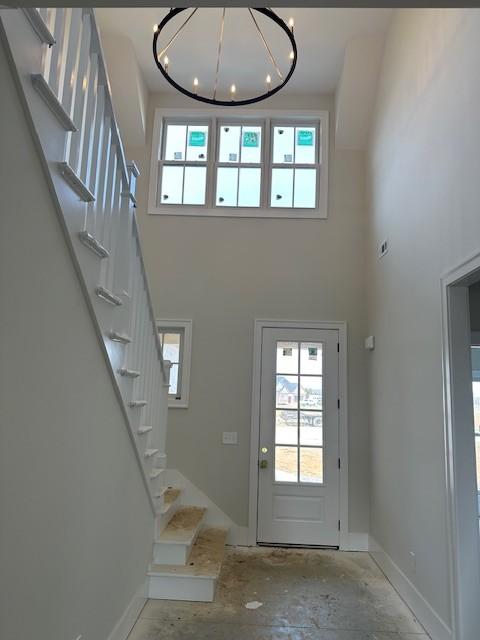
(461, 353)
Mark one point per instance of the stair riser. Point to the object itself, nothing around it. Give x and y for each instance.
(166, 553)
(181, 588)
(164, 518)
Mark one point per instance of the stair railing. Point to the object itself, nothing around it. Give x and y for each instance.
(58, 58)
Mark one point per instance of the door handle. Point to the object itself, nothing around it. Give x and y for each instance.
(263, 464)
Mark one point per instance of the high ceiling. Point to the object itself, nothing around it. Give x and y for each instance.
(321, 35)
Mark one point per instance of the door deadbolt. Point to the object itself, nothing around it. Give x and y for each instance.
(263, 464)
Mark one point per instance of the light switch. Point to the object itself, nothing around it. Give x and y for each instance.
(229, 437)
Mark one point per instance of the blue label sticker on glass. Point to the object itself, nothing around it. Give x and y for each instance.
(232, 157)
(177, 155)
(304, 138)
(250, 139)
(196, 139)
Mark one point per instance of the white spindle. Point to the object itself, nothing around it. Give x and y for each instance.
(88, 124)
(48, 51)
(57, 58)
(97, 155)
(72, 53)
(102, 178)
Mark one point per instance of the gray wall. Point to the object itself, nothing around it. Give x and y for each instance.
(76, 527)
(424, 192)
(223, 273)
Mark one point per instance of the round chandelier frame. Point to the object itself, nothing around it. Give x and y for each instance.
(163, 64)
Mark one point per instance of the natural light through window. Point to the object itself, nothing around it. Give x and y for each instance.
(176, 342)
(241, 166)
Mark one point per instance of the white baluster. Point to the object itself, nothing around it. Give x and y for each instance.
(72, 54)
(97, 156)
(88, 123)
(102, 178)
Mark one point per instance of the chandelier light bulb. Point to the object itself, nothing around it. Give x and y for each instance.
(195, 84)
(291, 24)
(155, 28)
(268, 80)
(292, 55)
(165, 62)
(233, 90)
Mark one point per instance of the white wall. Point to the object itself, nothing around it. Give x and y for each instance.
(424, 197)
(224, 273)
(76, 525)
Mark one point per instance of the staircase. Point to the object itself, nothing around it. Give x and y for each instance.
(57, 57)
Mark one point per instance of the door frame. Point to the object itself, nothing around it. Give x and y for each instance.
(341, 327)
(458, 414)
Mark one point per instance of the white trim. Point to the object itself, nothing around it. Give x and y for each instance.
(187, 326)
(455, 337)
(358, 542)
(129, 617)
(319, 213)
(423, 611)
(341, 327)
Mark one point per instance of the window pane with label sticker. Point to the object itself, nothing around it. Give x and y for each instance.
(227, 185)
(311, 359)
(282, 188)
(229, 148)
(197, 143)
(251, 145)
(176, 142)
(195, 185)
(172, 185)
(305, 145)
(287, 357)
(283, 145)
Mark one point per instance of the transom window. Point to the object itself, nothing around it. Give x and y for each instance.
(246, 166)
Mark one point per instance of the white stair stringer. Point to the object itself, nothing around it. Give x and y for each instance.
(197, 580)
(172, 546)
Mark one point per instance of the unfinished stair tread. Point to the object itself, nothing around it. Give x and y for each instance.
(205, 560)
(183, 526)
(170, 496)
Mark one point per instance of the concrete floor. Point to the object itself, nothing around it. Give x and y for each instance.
(306, 595)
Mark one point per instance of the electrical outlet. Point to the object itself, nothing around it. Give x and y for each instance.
(383, 248)
(229, 437)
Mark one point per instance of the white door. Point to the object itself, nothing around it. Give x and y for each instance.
(298, 484)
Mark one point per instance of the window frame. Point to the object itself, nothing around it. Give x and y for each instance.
(217, 117)
(184, 327)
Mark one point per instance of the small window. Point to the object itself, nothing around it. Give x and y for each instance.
(247, 165)
(176, 341)
(183, 164)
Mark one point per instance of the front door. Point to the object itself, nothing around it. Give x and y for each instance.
(298, 487)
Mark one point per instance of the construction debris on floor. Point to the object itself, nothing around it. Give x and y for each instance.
(287, 594)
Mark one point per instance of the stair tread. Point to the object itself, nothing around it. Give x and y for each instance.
(171, 495)
(183, 526)
(205, 560)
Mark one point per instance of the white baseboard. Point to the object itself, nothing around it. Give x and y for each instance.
(423, 611)
(215, 517)
(358, 542)
(130, 615)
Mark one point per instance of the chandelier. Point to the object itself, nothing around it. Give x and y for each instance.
(210, 95)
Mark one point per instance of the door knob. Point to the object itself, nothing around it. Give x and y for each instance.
(263, 464)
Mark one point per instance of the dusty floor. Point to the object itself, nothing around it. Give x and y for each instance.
(306, 595)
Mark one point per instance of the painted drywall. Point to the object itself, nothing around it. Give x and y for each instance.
(77, 525)
(224, 273)
(424, 192)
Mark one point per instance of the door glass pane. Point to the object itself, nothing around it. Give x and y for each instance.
(310, 392)
(249, 188)
(173, 380)
(311, 465)
(171, 346)
(286, 461)
(287, 357)
(311, 428)
(283, 145)
(305, 188)
(282, 188)
(287, 392)
(227, 183)
(311, 358)
(229, 144)
(176, 141)
(305, 145)
(195, 184)
(172, 185)
(251, 144)
(476, 406)
(197, 143)
(286, 431)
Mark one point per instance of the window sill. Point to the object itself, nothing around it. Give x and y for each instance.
(177, 404)
(224, 212)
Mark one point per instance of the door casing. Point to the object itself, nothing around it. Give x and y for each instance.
(341, 327)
